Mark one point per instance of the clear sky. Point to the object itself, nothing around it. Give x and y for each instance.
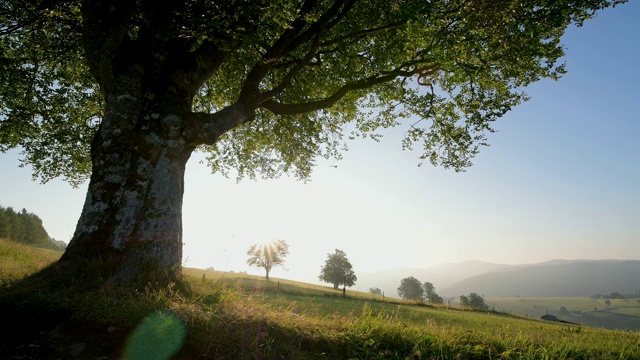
(561, 179)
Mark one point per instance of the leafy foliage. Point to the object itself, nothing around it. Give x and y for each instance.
(430, 294)
(268, 256)
(410, 289)
(473, 301)
(298, 322)
(49, 102)
(337, 270)
(375, 291)
(446, 70)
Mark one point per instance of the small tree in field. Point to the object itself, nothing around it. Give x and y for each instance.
(616, 295)
(430, 295)
(267, 256)
(410, 289)
(337, 270)
(375, 291)
(474, 301)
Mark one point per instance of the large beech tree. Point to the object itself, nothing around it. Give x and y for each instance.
(122, 92)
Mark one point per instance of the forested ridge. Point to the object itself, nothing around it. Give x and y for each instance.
(26, 227)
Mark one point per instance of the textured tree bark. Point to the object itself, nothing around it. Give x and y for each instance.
(131, 222)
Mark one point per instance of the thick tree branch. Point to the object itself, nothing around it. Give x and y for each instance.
(362, 33)
(260, 70)
(299, 108)
(205, 128)
(289, 35)
(286, 81)
(292, 38)
(195, 68)
(329, 19)
(34, 13)
(104, 29)
(298, 64)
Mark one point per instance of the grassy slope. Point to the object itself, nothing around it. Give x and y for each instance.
(236, 316)
(19, 260)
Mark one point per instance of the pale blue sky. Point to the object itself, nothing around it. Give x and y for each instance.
(560, 180)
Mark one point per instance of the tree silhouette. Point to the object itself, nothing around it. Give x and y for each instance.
(337, 270)
(268, 256)
(473, 301)
(410, 289)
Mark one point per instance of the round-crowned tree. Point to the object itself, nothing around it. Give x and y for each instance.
(410, 289)
(337, 270)
(268, 256)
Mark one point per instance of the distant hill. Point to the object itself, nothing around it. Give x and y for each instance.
(561, 278)
(440, 275)
(557, 278)
(57, 244)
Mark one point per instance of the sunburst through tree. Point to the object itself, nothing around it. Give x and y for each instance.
(268, 255)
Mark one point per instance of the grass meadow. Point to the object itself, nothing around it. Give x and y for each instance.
(216, 315)
(19, 260)
(621, 314)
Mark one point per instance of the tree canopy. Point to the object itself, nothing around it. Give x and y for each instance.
(410, 289)
(375, 291)
(474, 301)
(430, 294)
(124, 91)
(305, 69)
(268, 256)
(337, 270)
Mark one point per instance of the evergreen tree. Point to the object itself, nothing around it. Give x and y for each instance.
(23, 227)
(17, 226)
(34, 232)
(5, 224)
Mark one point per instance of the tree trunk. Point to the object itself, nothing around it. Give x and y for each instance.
(131, 223)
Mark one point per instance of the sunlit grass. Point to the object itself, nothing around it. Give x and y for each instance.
(240, 316)
(19, 260)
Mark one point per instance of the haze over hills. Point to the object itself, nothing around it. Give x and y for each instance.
(555, 278)
(440, 275)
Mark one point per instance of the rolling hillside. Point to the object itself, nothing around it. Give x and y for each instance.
(440, 275)
(554, 279)
(219, 315)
